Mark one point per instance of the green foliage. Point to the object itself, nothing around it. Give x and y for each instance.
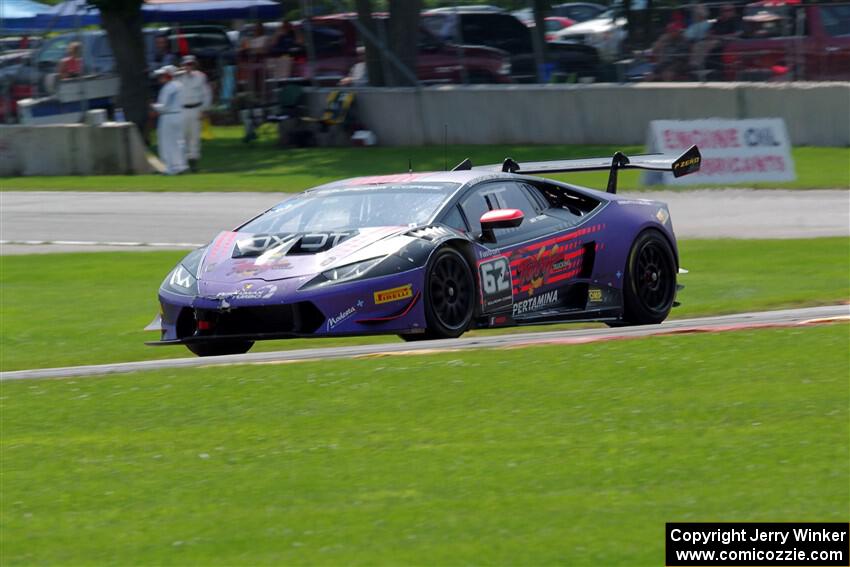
(453, 459)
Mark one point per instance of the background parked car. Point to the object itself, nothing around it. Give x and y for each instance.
(504, 31)
(336, 38)
(578, 11)
(789, 41)
(554, 24)
(605, 33)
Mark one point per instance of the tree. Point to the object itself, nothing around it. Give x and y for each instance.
(540, 56)
(404, 38)
(374, 67)
(122, 20)
(402, 42)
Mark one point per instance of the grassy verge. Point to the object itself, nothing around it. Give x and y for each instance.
(431, 460)
(231, 165)
(68, 309)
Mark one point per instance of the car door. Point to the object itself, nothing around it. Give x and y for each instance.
(526, 266)
(835, 30)
(502, 194)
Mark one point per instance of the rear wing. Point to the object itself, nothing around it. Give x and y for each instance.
(684, 164)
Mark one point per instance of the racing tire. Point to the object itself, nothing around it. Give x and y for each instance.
(449, 297)
(649, 286)
(220, 348)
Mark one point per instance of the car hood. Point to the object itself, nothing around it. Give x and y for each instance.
(238, 256)
(591, 26)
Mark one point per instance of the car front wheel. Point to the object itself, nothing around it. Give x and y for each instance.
(449, 296)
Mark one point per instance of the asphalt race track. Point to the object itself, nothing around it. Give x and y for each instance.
(72, 221)
(788, 317)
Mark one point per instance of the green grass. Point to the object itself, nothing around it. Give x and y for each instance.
(69, 309)
(231, 165)
(452, 459)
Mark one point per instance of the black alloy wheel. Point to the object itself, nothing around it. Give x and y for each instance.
(650, 283)
(449, 296)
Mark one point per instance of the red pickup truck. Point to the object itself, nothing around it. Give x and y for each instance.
(787, 40)
(336, 38)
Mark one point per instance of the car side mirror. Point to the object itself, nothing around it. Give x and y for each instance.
(499, 218)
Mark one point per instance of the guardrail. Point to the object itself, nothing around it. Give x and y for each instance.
(815, 113)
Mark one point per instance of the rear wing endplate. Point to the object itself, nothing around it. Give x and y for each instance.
(688, 162)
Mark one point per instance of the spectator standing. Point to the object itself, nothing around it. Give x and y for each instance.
(71, 65)
(283, 46)
(252, 54)
(256, 45)
(358, 75)
(197, 98)
(728, 24)
(169, 128)
(725, 28)
(284, 41)
(671, 54)
(699, 26)
(162, 54)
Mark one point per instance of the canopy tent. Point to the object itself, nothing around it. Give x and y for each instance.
(76, 13)
(15, 12)
(65, 15)
(191, 10)
(13, 9)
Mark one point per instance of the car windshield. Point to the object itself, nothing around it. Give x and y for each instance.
(836, 19)
(354, 207)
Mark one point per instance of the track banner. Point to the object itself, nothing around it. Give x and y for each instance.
(754, 150)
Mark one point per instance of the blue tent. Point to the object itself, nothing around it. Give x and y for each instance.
(76, 13)
(14, 14)
(65, 15)
(13, 9)
(211, 10)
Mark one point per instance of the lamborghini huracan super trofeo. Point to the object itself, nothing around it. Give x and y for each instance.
(431, 255)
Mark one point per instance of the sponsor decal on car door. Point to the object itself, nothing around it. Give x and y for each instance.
(533, 271)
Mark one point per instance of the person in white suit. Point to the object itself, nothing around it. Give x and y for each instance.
(197, 98)
(169, 126)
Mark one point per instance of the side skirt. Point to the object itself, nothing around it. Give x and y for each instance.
(550, 318)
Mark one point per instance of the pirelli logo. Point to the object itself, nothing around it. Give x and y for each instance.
(394, 294)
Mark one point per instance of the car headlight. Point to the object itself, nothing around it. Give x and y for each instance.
(414, 255)
(505, 69)
(183, 278)
(181, 281)
(350, 271)
(345, 273)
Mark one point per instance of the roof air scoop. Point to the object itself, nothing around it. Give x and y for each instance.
(465, 165)
(509, 166)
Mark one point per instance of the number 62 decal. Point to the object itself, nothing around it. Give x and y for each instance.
(496, 284)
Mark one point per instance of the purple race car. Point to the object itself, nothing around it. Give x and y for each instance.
(430, 255)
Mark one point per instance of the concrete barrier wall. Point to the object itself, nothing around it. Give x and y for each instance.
(72, 149)
(817, 114)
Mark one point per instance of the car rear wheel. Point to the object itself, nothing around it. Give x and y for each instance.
(650, 280)
(220, 348)
(449, 297)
